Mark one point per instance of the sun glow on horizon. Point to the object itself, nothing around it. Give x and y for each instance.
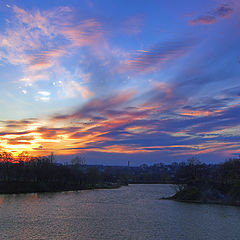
(120, 84)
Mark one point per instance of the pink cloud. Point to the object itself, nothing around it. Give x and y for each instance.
(73, 88)
(86, 34)
(221, 11)
(37, 41)
(203, 20)
(155, 58)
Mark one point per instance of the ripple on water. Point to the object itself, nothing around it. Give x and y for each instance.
(132, 212)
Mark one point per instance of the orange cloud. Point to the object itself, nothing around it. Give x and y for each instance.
(199, 113)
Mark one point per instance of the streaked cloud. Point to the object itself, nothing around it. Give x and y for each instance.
(112, 125)
(129, 82)
(221, 11)
(156, 57)
(37, 41)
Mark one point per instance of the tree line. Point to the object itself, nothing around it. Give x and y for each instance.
(42, 174)
(216, 183)
(194, 179)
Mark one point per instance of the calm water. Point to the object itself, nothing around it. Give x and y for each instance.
(132, 212)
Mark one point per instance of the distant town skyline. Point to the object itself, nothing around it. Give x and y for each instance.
(118, 81)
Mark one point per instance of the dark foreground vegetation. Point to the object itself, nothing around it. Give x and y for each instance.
(26, 174)
(194, 181)
(202, 183)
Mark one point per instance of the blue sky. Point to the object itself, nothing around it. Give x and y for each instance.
(145, 81)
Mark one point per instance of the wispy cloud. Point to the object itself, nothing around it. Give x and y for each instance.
(38, 41)
(154, 58)
(221, 11)
(136, 92)
(163, 122)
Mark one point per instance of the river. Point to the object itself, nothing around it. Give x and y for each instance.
(128, 213)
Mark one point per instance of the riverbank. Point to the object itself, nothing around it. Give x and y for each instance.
(152, 182)
(32, 187)
(237, 203)
(203, 195)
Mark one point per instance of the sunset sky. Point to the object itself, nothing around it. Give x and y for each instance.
(145, 81)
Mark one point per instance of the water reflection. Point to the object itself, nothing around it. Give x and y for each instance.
(132, 212)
